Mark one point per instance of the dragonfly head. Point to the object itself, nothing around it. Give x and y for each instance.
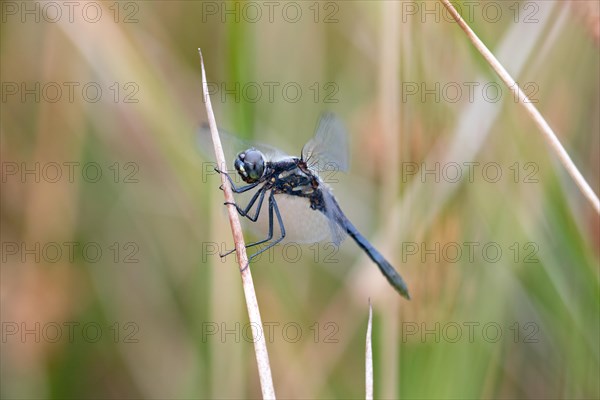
(250, 164)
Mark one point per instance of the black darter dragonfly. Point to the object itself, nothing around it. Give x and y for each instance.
(287, 179)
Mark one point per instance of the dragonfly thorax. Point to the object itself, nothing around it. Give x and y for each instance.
(250, 164)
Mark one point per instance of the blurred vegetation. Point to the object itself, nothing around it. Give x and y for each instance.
(171, 315)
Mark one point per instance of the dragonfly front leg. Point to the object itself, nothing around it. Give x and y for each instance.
(260, 195)
(242, 189)
(236, 189)
(258, 208)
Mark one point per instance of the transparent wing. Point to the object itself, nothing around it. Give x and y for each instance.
(328, 149)
(232, 146)
(302, 223)
(333, 213)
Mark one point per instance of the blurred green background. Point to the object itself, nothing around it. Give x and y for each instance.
(110, 286)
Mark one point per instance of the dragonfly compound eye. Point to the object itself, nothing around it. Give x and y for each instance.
(250, 164)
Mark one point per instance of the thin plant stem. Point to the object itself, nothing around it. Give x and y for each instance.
(260, 344)
(369, 357)
(539, 120)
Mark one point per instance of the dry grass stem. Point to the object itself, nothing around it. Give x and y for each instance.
(369, 358)
(548, 133)
(260, 345)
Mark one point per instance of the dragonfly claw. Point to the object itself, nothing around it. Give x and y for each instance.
(223, 255)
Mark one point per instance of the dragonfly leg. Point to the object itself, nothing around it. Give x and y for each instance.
(272, 207)
(243, 189)
(269, 235)
(235, 188)
(260, 195)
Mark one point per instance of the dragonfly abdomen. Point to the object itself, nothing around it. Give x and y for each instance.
(385, 267)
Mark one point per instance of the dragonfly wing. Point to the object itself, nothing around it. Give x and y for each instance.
(334, 216)
(302, 223)
(232, 146)
(328, 149)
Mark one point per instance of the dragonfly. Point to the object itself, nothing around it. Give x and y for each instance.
(281, 179)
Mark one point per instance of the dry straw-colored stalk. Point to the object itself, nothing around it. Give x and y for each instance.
(369, 357)
(260, 344)
(539, 120)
